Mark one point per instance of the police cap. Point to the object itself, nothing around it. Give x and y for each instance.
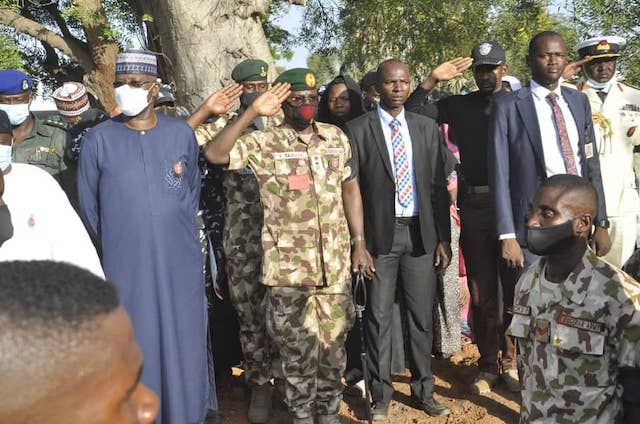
(13, 81)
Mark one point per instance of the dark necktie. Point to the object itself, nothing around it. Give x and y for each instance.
(602, 95)
(563, 136)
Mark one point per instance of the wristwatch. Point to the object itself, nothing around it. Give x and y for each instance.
(603, 223)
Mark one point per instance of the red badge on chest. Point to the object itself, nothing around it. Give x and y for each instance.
(299, 182)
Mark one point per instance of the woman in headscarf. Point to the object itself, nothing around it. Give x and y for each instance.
(340, 102)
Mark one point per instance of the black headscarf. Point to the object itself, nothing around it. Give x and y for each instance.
(355, 97)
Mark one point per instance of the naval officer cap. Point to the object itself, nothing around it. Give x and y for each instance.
(250, 70)
(13, 81)
(488, 53)
(301, 79)
(608, 46)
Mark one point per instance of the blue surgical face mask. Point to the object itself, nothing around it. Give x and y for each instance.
(17, 113)
(5, 156)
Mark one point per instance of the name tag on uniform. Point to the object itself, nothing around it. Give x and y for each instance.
(583, 324)
(522, 310)
(298, 182)
(543, 330)
(588, 150)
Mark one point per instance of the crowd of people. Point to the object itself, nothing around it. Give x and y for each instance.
(194, 242)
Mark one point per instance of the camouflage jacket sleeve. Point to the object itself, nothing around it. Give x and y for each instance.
(247, 151)
(626, 333)
(206, 132)
(348, 171)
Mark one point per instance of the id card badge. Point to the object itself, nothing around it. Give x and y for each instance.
(298, 182)
(543, 330)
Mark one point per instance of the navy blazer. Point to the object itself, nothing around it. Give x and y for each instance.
(374, 169)
(516, 159)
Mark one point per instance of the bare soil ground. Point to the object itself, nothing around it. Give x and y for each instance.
(453, 379)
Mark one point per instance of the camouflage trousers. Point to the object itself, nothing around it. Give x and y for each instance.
(309, 327)
(247, 293)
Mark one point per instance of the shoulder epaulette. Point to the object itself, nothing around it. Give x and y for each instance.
(56, 123)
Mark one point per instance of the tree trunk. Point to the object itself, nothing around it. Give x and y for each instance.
(202, 40)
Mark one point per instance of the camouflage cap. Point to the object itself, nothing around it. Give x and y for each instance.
(301, 79)
(250, 70)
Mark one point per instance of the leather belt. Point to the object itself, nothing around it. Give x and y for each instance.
(406, 220)
(476, 189)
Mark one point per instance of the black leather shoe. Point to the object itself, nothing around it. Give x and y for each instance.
(379, 411)
(434, 408)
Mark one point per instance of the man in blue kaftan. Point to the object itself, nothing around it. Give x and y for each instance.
(138, 186)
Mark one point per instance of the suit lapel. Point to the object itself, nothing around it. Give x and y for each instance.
(570, 96)
(573, 100)
(378, 136)
(527, 111)
(417, 147)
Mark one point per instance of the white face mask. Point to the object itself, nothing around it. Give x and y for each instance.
(604, 86)
(5, 156)
(132, 101)
(17, 113)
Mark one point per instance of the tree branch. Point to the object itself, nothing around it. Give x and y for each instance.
(52, 8)
(70, 47)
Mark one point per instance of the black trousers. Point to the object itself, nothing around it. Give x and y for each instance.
(407, 260)
(485, 270)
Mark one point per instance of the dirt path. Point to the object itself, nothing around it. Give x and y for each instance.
(453, 378)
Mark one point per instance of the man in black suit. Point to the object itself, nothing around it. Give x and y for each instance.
(399, 159)
(536, 132)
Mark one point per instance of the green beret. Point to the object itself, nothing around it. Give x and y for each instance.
(250, 70)
(301, 79)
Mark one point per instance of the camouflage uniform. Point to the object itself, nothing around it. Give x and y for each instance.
(573, 344)
(241, 241)
(306, 265)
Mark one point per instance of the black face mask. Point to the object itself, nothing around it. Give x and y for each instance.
(302, 115)
(545, 241)
(247, 98)
(6, 229)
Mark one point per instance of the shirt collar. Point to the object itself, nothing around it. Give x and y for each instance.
(541, 92)
(387, 118)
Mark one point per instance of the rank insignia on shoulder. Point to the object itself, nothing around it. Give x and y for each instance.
(522, 310)
(582, 324)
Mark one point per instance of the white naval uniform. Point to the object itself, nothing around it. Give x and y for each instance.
(619, 112)
(45, 226)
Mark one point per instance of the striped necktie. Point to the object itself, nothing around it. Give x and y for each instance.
(563, 135)
(404, 185)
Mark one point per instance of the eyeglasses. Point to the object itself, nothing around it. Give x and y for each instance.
(300, 100)
(133, 84)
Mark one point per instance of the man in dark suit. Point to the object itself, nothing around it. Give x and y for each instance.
(536, 132)
(399, 159)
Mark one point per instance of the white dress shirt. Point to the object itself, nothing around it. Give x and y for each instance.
(385, 120)
(45, 226)
(553, 159)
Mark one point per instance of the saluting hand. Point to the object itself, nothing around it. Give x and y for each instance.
(268, 104)
(223, 100)
(572, 68)
(452, 69)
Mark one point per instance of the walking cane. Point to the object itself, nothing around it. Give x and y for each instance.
(360, 301)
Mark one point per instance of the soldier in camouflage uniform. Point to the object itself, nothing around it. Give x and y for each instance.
(241, 240)
(576, 317)
(311, 205)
